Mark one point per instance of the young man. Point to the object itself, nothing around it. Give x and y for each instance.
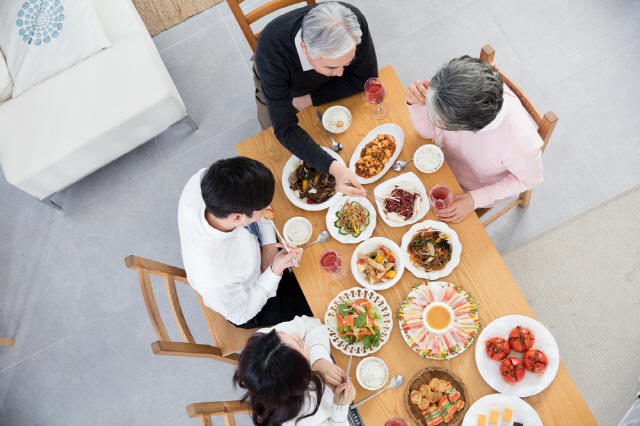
(310, 56)
(230, 251)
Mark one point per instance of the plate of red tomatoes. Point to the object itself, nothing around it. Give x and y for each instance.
(516, 355)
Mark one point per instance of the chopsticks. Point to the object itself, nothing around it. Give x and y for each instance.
(346, 379)
(378, 199)
(295, 262)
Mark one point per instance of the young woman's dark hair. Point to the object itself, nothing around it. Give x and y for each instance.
(277, 378)
(237, 185)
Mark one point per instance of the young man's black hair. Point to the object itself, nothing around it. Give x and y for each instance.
(237, 185)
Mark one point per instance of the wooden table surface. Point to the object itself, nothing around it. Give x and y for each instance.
(481, 270)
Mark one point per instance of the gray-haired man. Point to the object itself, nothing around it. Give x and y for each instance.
(309, 56)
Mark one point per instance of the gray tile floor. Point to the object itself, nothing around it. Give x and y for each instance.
(82, 334)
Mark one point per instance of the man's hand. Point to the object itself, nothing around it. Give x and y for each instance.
(349, 396)
(461, 207)
(343, 176)
(302, 102)
(267, 254)
(417, 93)
(332, 373)
(284, 260)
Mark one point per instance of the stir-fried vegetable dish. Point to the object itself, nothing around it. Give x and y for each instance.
(353, 219)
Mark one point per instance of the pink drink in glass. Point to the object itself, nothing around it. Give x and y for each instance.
(396, 421)
(375, 93)
(440, 197)
(331, 262)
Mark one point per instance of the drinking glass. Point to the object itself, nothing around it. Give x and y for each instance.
(396, 421)
(331, 263)
(440, 197)
(375, 93)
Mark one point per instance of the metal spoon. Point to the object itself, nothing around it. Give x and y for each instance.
(337, 147)
(322, 238)
(399, 166)
(396, 382)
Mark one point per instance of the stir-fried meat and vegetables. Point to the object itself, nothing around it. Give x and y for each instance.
(353, 219)
(375, 155)
(429, 250)
(310, 185)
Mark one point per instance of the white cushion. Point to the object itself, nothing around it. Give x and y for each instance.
(41, 38)
(87, 116)
(119, 18)
(6, 84)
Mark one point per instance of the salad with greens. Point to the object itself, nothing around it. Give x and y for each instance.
(358, 321)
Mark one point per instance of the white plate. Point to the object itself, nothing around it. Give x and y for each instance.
(286, 172)
(367, 247)
(385, 328)
(522, 412)
(456, 249)
(350, 239)
(387, 129)
(436, 287)
(411, 178)
(532, 383)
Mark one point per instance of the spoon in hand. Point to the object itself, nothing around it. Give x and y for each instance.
(322, 238)
(396, 382)
(399, 166)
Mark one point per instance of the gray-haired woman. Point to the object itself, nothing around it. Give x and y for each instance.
(486, 135)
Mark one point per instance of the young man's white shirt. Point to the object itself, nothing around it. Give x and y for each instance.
(224, 267)
(316, 335)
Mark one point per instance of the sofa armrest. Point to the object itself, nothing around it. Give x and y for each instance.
(119, 18)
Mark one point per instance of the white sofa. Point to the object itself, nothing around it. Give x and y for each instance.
(76, 122)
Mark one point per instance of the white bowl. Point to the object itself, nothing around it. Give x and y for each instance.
(359, 372)
(325, 122)
(451, 320)
(432, 148)
(367, 247)
(287, 226)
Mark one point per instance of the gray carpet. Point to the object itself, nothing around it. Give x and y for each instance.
(581, 279)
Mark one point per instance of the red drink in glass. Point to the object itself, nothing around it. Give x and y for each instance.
(396, 421)
(375, 93)
(331, 262)
(440, 197)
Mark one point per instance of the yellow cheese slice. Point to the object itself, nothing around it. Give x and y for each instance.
(482, 419)
(493, 418)
(508, 412)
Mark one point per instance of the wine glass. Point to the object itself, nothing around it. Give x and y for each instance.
(441, 197)
(331, 262)
(375, 93)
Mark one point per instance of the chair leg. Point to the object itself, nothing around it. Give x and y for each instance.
(525, 199)
(49, 202)
(6, 342)
(188, 120)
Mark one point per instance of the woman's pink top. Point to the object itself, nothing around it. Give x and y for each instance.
(493, 165)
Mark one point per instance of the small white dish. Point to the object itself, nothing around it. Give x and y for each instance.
(332, 217)
(428, 326)
(428, 149)
(364, 362)
(287, 228)
(327, 116)
(368, 246)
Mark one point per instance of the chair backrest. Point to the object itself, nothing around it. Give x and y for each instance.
(226, 337)
(546, 124)
(204, 411)
(245, 21)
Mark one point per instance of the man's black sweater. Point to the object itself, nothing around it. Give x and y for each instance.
(283, 79)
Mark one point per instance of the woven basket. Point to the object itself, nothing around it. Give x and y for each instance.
(423, 378)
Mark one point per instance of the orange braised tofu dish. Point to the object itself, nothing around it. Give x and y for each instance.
(375, 155)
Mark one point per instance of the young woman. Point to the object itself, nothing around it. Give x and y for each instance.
(287, 370)
(486, 135)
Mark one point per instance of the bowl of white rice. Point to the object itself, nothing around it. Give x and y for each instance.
(372, 373)
(428, 158)
(336, 119)
(297, 230)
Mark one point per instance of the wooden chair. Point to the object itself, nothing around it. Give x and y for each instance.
(6, 342)
(226, 337)
(546, 123)
(204, 410)
(245, 21)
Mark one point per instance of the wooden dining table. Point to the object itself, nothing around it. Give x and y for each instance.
(481, 271)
